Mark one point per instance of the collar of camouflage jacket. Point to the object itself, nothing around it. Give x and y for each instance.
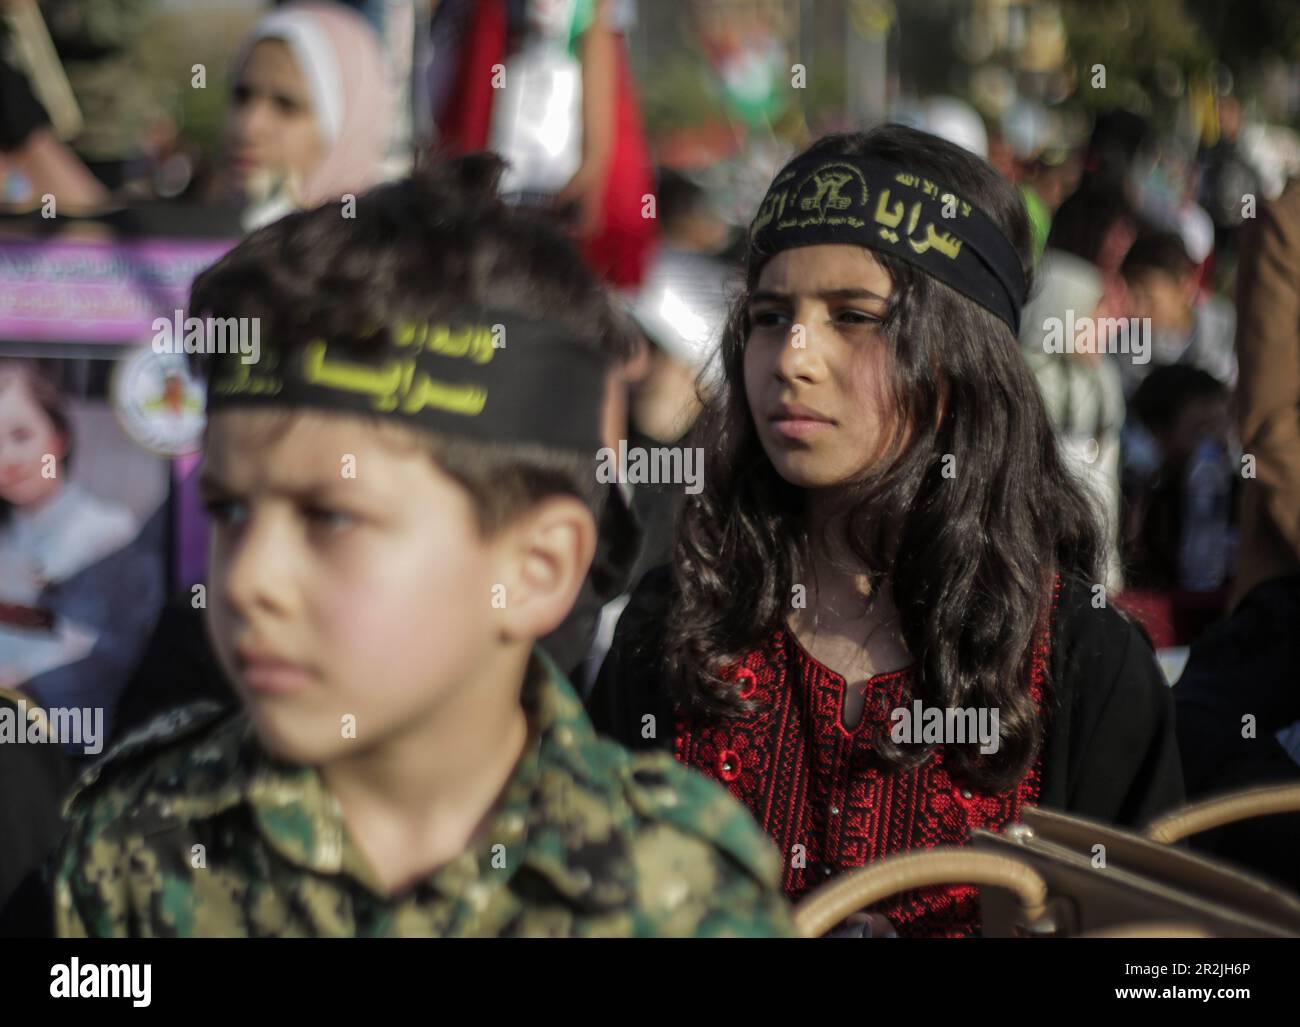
(557, 796)
(563, 800)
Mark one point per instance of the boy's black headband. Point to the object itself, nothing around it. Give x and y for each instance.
(820, 198)
(482, 374)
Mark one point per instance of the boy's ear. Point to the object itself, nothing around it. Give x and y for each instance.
(545, 556)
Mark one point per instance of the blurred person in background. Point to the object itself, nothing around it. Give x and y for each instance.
(1098, 223)
(680, 308)
(1227, 177)
(1268, 392)
(1184, 410)
(1164, 182)
(396, 24)
(955, 120)
(1045, 181)
(308, 117)
(80, 590)
(1081, 390)
(571, 127)
(680, 311)
(98, 42)
(1238, 705)
(1187, 327)
(34, 161)
(1117, 138)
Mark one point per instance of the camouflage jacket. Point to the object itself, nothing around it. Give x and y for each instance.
(189, 828)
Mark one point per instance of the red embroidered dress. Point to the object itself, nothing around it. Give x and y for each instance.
(810, 781)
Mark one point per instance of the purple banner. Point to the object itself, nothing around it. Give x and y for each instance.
(97, 291)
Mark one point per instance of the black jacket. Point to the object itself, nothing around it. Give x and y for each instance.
(34, 778)
(1111, 751)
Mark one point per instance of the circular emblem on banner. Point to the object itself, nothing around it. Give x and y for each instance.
(159, 402)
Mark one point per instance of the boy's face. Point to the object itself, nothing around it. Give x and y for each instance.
(1164, 298)
(1206, 417)
(349, 585)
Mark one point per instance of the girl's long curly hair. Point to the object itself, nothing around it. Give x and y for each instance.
(967, 544)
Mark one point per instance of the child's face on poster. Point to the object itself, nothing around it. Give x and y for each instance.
(29, 443)
(347, 580)
(816, 344)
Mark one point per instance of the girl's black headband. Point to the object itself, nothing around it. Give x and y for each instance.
(819, 198)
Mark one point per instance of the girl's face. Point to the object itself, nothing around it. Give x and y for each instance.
(272, 126)
(816, 363)
(27, 436)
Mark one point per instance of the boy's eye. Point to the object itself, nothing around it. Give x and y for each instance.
(239, 95)
(327, 519)
(286, 106)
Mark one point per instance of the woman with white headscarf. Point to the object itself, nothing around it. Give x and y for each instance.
(309, 115)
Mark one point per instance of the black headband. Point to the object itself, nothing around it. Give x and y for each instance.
(821, 198)
(482, 374)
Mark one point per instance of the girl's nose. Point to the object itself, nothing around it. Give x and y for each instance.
(800, 357)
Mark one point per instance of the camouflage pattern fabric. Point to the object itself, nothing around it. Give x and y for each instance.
(189, 828)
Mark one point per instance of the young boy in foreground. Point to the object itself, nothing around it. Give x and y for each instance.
(401, 491)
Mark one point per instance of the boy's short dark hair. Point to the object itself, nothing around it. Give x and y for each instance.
(679, 198)
(1080, 224)
(1157, 251)
(419, 249)
(1166, 391)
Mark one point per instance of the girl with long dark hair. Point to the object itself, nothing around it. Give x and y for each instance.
(885, 624)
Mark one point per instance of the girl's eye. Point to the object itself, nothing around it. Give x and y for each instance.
(226, 511)
(768, 318)
(858, 317)
(286, 106)
(240, 95)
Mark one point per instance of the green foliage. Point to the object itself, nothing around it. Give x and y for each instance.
(1126, 36)
(679, 94)
(177, 42)
(1247, 32)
